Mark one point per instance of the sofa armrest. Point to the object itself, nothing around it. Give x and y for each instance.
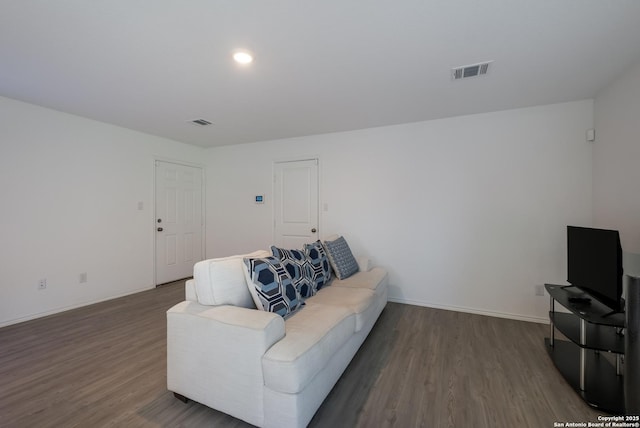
(364, 263)
(190, 291)
(214, 355)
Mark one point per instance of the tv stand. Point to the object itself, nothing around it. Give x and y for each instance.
(612, 313)
(586, 300)
(592, 329)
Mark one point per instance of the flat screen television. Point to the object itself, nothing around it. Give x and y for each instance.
(594, 264)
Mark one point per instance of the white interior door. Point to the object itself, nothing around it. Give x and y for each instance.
(296, 203)
(179, 220)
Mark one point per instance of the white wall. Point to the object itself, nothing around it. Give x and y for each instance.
(466, 213)
(616, 164)
(70, 193)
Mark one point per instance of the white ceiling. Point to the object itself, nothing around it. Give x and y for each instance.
(320, 66)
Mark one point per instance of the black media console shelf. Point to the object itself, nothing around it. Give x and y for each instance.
(591, 330)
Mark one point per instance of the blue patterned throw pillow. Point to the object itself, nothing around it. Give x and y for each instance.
(341, 258)
(318, 264)
(273, 286)
(299, 269)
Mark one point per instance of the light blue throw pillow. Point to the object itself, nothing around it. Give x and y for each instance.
(274, 286)
(299, 268)
(319, 264)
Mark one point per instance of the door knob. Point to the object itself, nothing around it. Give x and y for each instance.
(313, 230)
(159, 220)
(160, 229)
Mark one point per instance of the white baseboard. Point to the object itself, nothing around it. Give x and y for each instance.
(472, 311)
(68, 308)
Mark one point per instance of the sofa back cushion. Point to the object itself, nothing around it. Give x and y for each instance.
(221, 281)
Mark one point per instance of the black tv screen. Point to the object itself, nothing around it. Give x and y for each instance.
(594, 263)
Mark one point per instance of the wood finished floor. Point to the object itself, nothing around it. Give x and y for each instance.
(105, 366)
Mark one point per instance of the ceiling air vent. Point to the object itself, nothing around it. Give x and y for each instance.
(201, 122)
(472, 70)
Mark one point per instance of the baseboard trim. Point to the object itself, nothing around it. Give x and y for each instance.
(471, 310)
(68, 308)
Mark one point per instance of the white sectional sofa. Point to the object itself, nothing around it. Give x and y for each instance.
(255, 365)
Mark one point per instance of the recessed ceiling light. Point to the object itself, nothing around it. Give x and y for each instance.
(242, 57)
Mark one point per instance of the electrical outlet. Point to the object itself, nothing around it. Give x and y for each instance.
(42, 284)
(539, 289)
(82, 277)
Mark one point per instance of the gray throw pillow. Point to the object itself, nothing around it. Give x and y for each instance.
(342, 261)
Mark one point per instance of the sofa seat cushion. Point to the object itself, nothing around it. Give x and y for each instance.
(312, 336)
(360, 301)
(374, 279)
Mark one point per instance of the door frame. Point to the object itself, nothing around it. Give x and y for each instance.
(157, 159)
(320, 194)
